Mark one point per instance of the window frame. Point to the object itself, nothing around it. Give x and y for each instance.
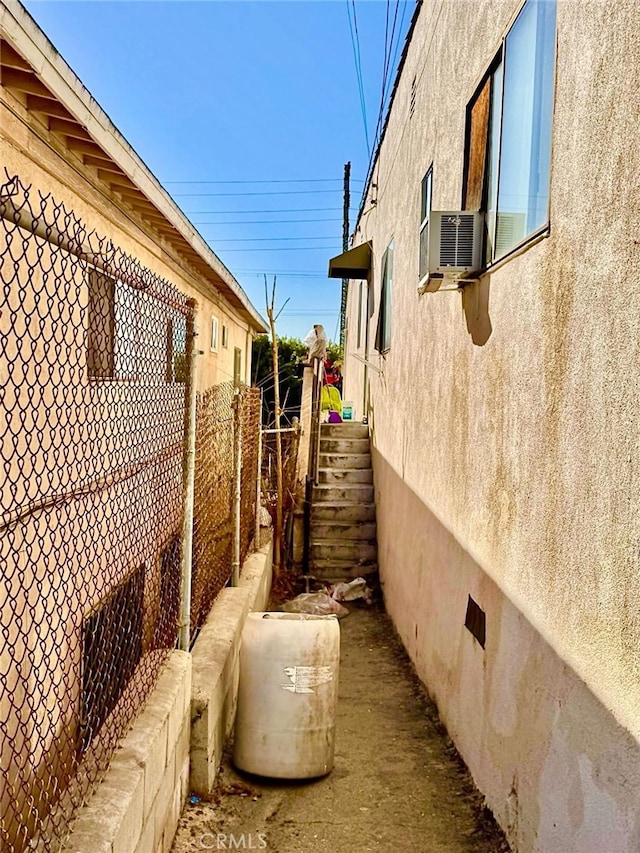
(497, 71)
(383, 332)
(225, 336)
(237, 366)
(215, 333)
(426, 206)
(105, 339)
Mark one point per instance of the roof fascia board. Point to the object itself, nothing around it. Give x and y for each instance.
(22, 31)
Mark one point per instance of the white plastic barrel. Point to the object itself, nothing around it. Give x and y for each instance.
(287, 696)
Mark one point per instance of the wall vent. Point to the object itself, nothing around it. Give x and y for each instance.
(476, 621)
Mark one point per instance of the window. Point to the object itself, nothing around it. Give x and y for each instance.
(225, 336)
(214, 333)
(425, 210)
(509, 133)
(237, 366)
(112, 648)
(112, 328)
(383, 333)
(175, 363)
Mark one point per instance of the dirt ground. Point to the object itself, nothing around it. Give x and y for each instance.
(398, 783)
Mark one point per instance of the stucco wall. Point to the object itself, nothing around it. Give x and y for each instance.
(520, 454)
(26, 154)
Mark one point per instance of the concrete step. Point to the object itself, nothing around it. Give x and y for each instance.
(348, 551)
(344, 430)
(334, 571)
(348, 476)
(345, 460)
(344, 445)
(327, 493)
(343, 511)
(342, 531)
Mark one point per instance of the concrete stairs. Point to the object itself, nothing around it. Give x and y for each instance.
(343, 515)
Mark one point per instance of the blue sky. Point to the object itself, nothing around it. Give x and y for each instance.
(246, 112)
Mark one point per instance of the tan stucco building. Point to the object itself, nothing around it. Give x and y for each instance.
(102, 281)
(505, 407)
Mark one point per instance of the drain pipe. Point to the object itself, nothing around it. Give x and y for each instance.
(189, 478)
(256, 533)
(237, 486)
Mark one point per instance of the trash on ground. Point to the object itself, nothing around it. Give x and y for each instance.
(315, 603)
(356, 588)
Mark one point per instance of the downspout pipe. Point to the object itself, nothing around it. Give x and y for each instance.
(237, 485)
(189, 466)
(256, 535)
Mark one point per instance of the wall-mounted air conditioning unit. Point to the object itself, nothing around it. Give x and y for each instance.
(455, 246)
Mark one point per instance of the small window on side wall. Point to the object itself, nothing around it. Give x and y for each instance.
(237, 366)
(383, 333)
(225, 336)
(508, 157)
(113, 327)
(425, 210)
(214, 333)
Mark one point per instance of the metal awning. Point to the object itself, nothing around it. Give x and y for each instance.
(356, 263)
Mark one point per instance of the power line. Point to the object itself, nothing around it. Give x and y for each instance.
(275, 181)
(355, 44)
(268, 210)
(275, 192)
(290, 249)
(264, 221)
(269, 239)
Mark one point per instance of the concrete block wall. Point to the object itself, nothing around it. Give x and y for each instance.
(216, 667)
(177, 740)
(137, 806)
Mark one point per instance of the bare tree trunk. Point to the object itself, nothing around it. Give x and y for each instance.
(278, 533)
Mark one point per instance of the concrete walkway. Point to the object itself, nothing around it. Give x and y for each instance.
(398, 785)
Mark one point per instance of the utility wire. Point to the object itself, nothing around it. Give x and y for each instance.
(268, 210)
(355, 44)
(275, 181)
(290, 249)
(265, 221)
(269, 239)
(274, 192)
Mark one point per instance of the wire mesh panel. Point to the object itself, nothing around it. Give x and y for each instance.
(93, 365)
(250, 425)
(215, 468)
(290, 440)
(213, 499)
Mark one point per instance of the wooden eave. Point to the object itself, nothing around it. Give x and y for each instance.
(80, 149)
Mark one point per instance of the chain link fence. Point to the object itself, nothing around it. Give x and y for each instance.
(94, 357)
(218, 422)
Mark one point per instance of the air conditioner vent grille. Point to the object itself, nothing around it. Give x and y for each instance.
(456, 241)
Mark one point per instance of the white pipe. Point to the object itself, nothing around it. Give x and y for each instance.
(189, 478)
(256, 535)
(237, 487)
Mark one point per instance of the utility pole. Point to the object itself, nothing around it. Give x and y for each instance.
(345, 246)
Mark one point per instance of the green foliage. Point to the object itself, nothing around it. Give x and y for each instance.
(291, 352)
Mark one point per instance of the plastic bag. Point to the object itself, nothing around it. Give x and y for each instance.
(316, 603)
(316, 340)
(356, 588)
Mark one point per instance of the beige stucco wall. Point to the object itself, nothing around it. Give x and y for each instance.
(26, 154)
(509, 471)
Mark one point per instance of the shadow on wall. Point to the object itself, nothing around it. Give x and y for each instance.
(559, 771)
(475, 304)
